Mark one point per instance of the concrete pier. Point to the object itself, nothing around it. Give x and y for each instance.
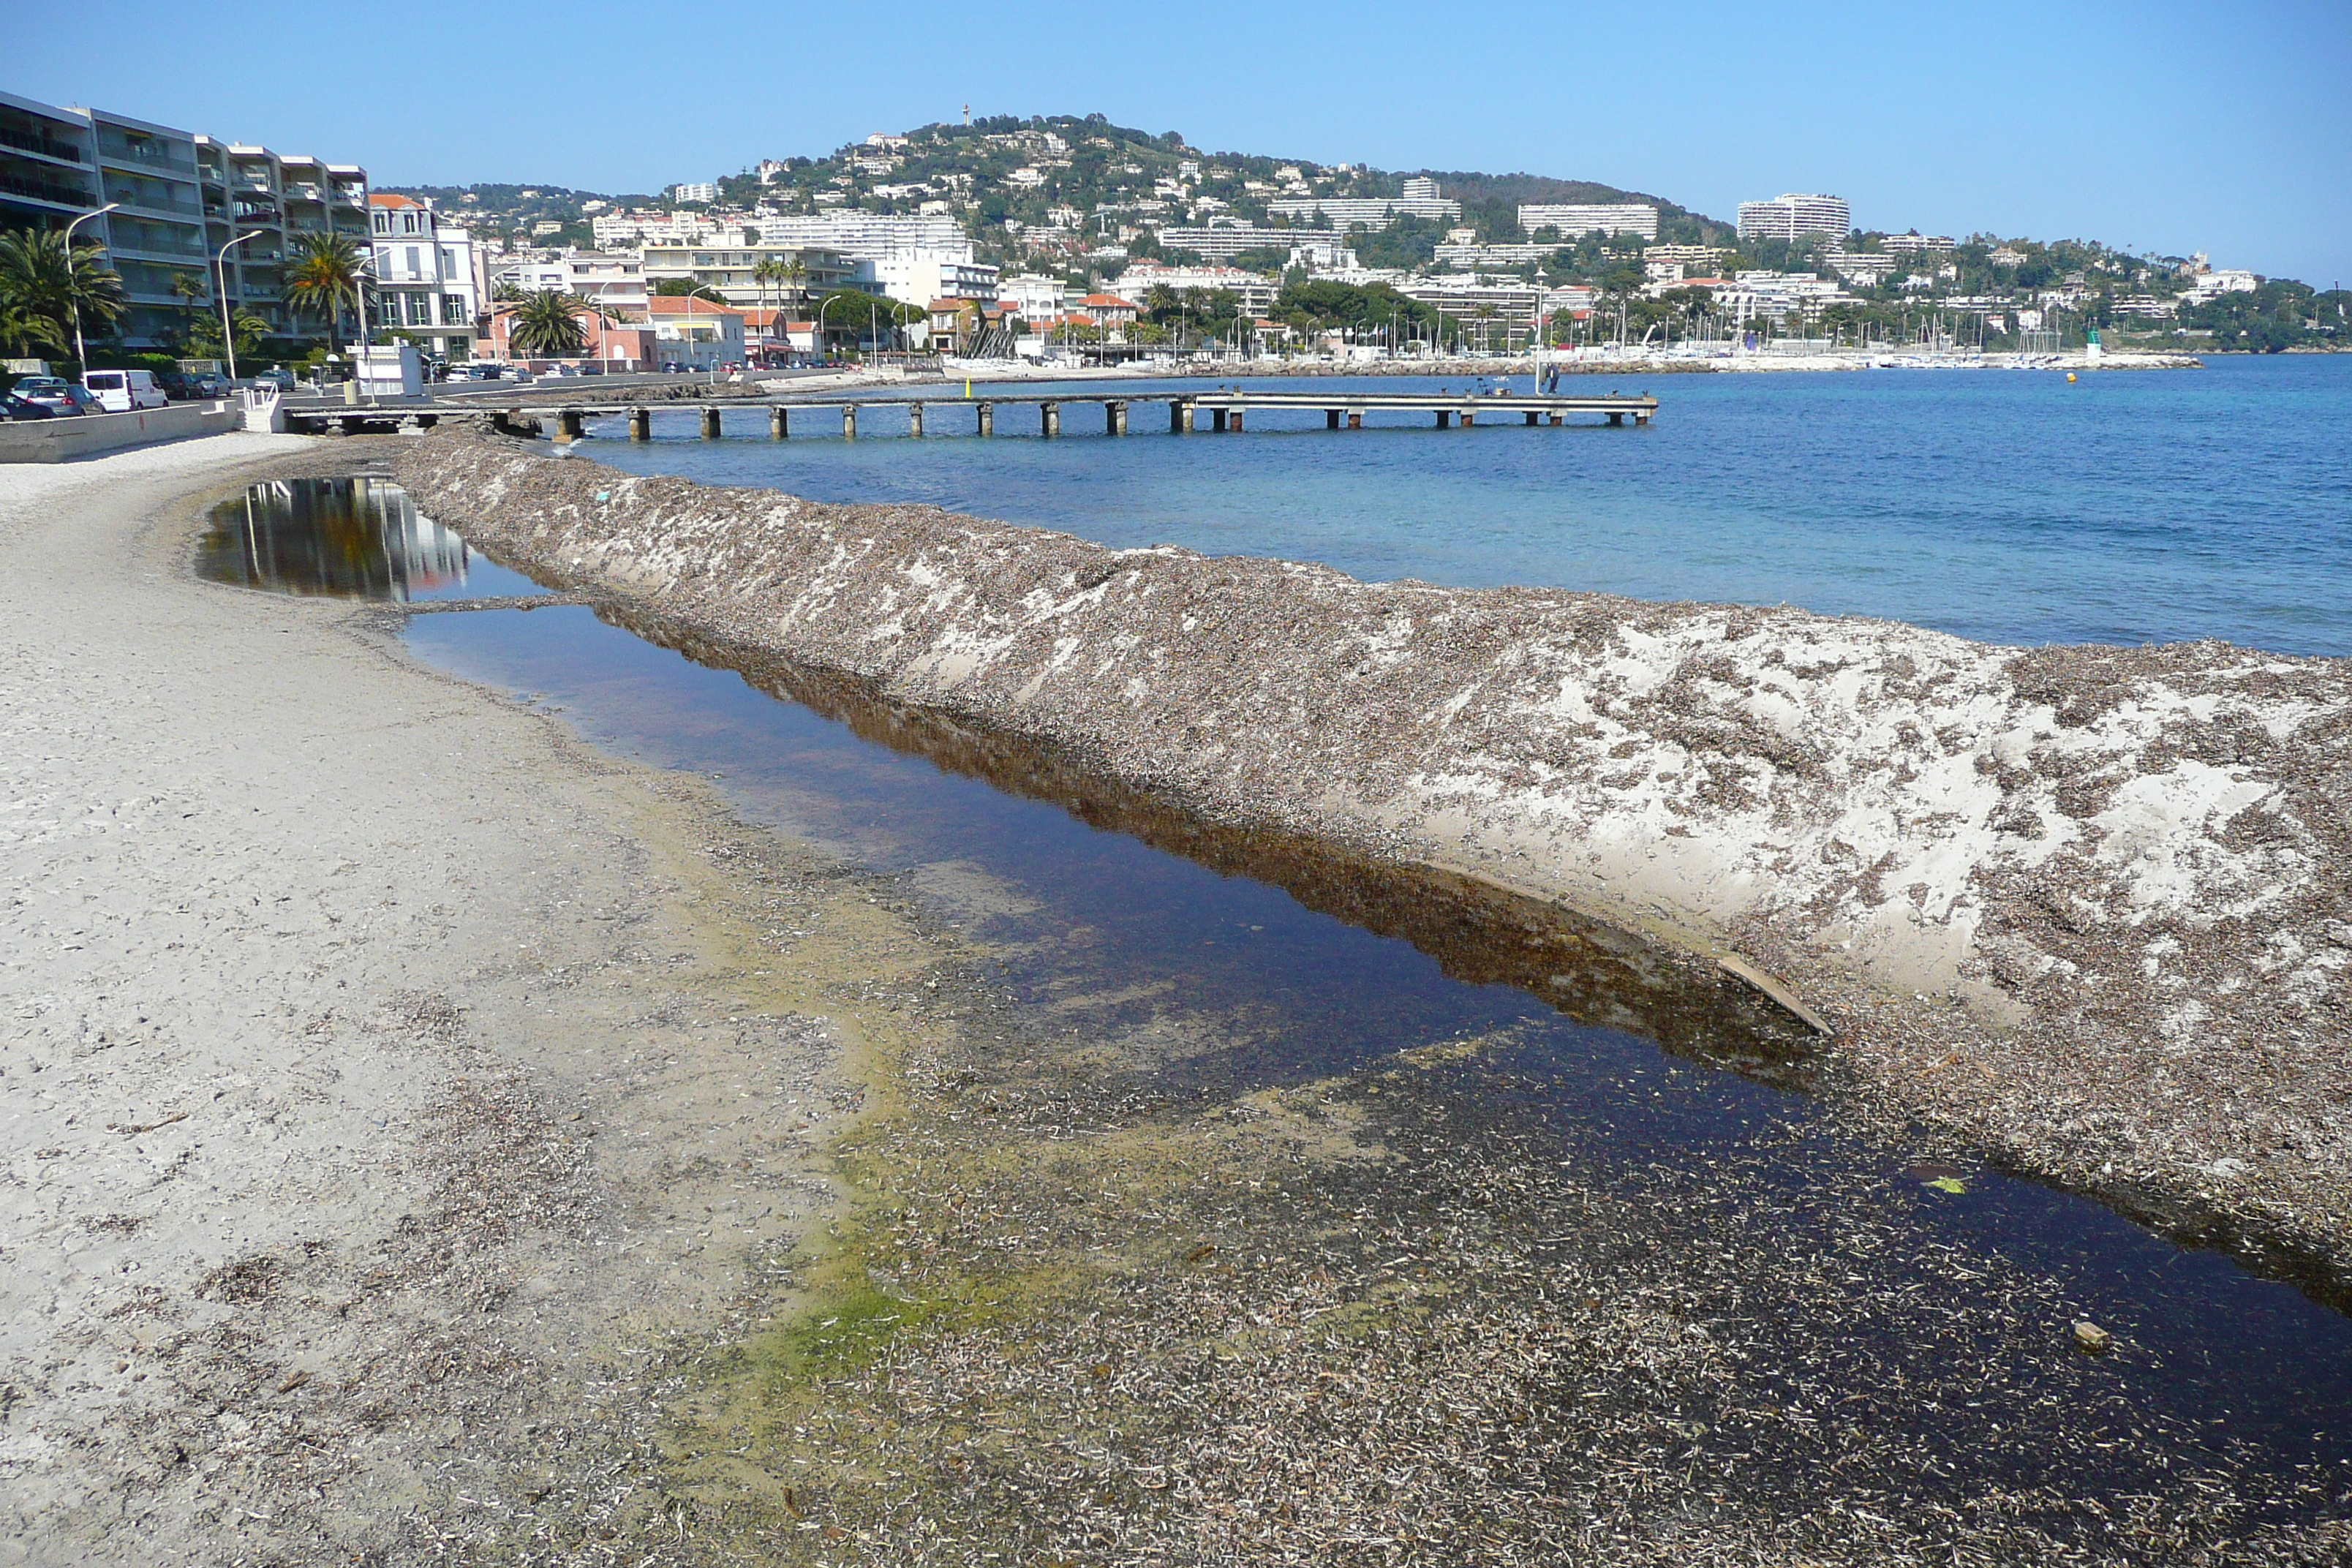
(1227, 410)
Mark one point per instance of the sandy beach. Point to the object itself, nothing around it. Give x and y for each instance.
(430, 1138)
(381, 1066)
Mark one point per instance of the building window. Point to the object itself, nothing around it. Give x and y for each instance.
(416, 268)
(452, 310)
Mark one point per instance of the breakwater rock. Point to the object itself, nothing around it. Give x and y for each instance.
(2090, 907)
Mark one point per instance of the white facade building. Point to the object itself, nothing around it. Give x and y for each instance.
(423, 270)
(1421, 199)
(918, 274)
(613, 279)
(1034, 296)
(1254, 289)
(703, 190)
(1786, 216)
(625, 230)
(1574, 219)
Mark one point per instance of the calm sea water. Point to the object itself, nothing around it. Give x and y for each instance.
(2128, 507)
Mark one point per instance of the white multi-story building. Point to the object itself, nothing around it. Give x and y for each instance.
(612, 280)
(423, 270)
(1791, 293)
(621, 230)
(913, 258)
(1916, 244)
(1697, 260)
(1472, 256)
(857, 232)
(732, 270)
(1224, 241)
(181, 198)
(1574, 218)
(1254, 290)
(1421, 199)
(2219, 282)
(1786, 216)
(918, 274)
(1031, 295)
(703, 190)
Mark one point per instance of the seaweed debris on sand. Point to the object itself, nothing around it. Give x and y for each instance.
(2087, 906)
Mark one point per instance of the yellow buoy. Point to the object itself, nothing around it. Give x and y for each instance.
(2070, 375)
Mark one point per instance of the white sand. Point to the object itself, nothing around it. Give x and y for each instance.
(377, 1064)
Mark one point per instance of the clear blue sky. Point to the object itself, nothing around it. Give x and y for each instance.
(2162, 125)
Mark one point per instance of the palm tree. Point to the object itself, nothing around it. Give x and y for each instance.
(42, 282)
(187, 288)
(327, 272)
(546, 324)
(771, 270)
(22, 331)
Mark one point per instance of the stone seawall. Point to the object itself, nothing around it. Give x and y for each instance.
(2088, 907)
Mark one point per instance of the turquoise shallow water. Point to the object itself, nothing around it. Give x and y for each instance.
(2129, 507)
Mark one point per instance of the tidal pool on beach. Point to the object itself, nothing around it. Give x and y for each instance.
(1555, 1135)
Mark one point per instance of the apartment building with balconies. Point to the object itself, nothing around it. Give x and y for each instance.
(424, 276)
(178, 197)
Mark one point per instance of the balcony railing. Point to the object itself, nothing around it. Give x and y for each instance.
(146, 155)
(138, 246)
(43, 191)
(34, 141)
(153, 203)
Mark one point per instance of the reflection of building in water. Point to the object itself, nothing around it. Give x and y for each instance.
(354, 537)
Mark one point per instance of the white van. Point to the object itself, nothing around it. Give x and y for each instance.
(122, 391)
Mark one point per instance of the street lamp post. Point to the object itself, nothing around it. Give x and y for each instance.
(73, 294)
(220, 272)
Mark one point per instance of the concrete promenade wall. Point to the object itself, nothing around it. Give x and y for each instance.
(2091, 905)
(83, 436)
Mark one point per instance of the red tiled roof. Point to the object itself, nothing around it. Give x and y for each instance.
(386, 199)
(688, 305)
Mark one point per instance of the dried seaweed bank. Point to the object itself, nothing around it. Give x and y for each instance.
(2087, 905)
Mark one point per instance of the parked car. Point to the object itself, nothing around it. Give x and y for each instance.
(15, 407)
(209, 384)
(278, 376)
(126, 391)
(57, 394)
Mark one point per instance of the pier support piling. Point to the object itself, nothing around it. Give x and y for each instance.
(1330, 419)
(1469, 417)
(1617, 419)
(570, 424)
(710, 424)
(1355, 418)
(987, 412)
(1444, 420)
(1115, 418)
(914, 420)
(1237, 423)
(1531, 416)
(780, 423)
(1555, 418)
(1217, 421)
(849, 422)
(641, 424)
(1049, 419)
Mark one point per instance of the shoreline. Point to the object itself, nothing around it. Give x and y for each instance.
(571, 1172)
(2041, 929)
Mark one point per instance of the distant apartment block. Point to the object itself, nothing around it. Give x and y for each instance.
(859, 233)
(728, 270)
(180, 197)
(1788, 216)
(1254, 290)
(703, 190)
(1696, 260)
(1224, 241)
(1421, 199)
(1916, 244)
(1469, 254)
(424, 274)
(615, 281)
(1574, 219)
